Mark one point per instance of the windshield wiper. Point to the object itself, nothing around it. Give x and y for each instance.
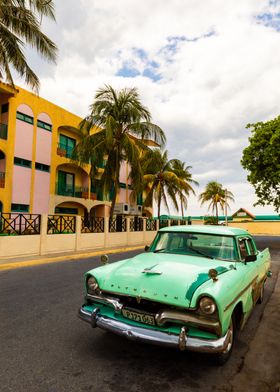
(159, 250)
(201, 253)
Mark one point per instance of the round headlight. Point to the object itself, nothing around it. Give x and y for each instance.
(207, 305)
(92, 286)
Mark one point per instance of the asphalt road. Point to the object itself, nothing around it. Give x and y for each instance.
(44, 347)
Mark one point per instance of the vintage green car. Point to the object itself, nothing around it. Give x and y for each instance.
(191, 289)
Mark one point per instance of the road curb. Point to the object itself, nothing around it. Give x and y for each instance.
(57, 259)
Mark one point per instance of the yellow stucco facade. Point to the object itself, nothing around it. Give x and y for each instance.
(62, 122)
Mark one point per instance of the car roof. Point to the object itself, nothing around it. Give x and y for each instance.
(209, 229)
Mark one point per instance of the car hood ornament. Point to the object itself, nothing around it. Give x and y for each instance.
(151, 271)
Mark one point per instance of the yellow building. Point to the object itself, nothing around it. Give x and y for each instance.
(36, 173)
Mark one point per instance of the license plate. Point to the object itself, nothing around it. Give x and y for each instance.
(139, 317)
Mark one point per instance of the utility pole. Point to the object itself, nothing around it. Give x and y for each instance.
(226, 207)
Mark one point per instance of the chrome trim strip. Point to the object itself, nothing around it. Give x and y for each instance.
(147, 335)
(112, 302)
(179, 317)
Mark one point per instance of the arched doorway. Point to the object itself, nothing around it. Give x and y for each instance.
(70, 208)
(99, 211)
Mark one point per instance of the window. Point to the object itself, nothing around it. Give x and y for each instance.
(20, 208)
(251, 247)
(44, 125)
(66, 210)
(195, 244)
(67, 143)
(242, 248)
(25, 118)
(66, 183)
(5, 108)
(22, 162)
(42, 167)
(140, 199)
(95, 188)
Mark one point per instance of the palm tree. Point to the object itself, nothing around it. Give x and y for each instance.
(20, 26)
(161, 181)
(122, 126)
(185, 179)
(216, 196)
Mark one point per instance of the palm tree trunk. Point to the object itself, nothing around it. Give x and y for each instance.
(217, 215)
(182, 209)
(116, 187)
(113, 201)
(159, 201)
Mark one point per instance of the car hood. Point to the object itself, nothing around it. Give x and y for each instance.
(165, 278)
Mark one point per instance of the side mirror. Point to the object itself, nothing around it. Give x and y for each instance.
(147, 248)
(250, 258)
(104, 259)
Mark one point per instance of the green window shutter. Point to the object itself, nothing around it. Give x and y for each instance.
(140, 199)
(25, 118)
(42, 167)
(44, 125)
(66, 210)
(67, 143)
(22, 162)
(66, 183)
(20, 208)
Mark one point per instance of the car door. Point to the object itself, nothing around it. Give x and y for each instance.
(250, 271)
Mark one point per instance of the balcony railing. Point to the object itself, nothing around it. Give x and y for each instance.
(2, 180)
(3, 131)
(63, 190)
(64, 151)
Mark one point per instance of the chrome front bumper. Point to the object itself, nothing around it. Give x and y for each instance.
(181, 341)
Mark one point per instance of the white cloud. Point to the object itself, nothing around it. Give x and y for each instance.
(210, 87)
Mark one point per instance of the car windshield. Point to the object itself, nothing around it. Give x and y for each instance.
(196, 244)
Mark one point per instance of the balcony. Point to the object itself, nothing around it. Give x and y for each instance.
(2, 180)
(3, 131)
(64, 151)
(69, 191)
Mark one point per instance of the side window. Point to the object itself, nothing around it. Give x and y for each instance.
(242, 248)
(251, 247)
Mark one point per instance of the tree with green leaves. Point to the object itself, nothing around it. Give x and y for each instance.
(186, 181)
(216, 196)
(20, 26)
(262, 160)
(162, 181)
(122, 127)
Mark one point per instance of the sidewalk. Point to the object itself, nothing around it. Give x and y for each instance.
(261, 370)
(29, 261)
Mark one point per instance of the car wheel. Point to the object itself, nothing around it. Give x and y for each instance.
(223, 356)
(260, 299)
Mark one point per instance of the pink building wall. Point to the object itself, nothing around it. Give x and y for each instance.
(123, 173)
(21, 185)
(41, 192)
(122, 196)
(44, 141)
(24, 135)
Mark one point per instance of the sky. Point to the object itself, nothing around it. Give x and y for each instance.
(205, 69)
